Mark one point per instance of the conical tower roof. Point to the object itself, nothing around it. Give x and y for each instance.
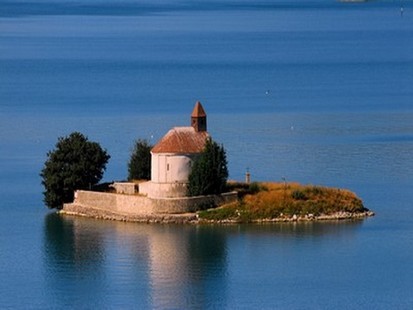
(198, 110)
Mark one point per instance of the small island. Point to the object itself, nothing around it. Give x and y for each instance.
(257, 202)
(187, 183)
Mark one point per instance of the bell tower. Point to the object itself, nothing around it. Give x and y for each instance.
(198, 118)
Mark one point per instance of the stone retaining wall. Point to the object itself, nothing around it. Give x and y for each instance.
(79, 210)
(120, 203)
(191, 204)
(141, 205)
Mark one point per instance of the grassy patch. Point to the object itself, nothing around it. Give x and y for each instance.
(273, 200)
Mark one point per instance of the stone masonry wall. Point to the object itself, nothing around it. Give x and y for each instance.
(140, 205)
(192, 204)
(124, 187)
(114, 202)
(163, 190)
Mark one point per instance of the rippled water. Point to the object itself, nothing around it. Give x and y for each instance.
(313, 91)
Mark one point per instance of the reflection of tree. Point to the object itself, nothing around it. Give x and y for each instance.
(59, 238)
(73, 261)
(66, 241)
(207, 248)
(207, 265)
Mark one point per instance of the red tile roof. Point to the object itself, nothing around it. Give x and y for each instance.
(182, 140)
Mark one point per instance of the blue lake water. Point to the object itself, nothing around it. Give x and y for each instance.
(313, 91)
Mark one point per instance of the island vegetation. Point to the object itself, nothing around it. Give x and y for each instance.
(139, 165)
(209, 173)
(269, 201)
(75, 163)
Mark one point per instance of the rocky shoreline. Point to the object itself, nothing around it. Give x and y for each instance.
(338, 216)
(193, 218)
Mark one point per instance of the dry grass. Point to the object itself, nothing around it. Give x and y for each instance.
(274, 200)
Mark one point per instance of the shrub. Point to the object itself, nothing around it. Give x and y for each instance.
(298, 195)
(139, 166)
(209, 172)
(254, 188)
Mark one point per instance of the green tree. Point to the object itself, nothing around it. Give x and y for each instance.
(209, 173)
(139, 166)
(76, 163)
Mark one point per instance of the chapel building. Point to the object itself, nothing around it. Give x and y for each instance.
(173, 156)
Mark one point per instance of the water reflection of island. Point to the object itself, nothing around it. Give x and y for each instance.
(168, 266)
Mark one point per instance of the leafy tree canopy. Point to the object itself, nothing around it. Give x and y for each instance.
(75, 163)
(209, 173)
(139, 166)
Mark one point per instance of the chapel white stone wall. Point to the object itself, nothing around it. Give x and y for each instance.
(171, 168)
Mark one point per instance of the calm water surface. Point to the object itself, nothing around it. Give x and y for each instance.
(314, 91)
